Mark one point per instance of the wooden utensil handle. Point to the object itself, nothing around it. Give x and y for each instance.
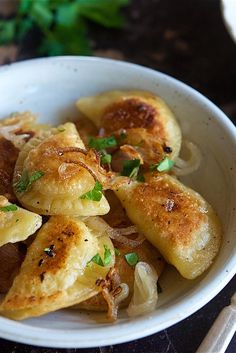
(221, 333)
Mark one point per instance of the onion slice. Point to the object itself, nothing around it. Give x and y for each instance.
(145, 295)
(99, 226)
(184, 167)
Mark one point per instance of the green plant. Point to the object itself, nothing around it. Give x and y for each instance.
(62, 23)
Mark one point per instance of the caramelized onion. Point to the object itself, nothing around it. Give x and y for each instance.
(119, 234)
(145, 295)
(184, 167)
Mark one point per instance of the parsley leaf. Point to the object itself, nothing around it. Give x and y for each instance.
(106, 158)
(9, 208)
(98, 260)
(141, 178)
(117, 252)
(132, 258)
(107, 256)
(131, 168)
(163, 166)
(95, 194)
(26, 181)
(102, 143)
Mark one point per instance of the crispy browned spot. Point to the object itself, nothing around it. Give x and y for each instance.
(59, 245)
(8, 157)
(128, 114)
(174, 213)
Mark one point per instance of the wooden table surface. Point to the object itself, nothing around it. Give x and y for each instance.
(186, 39)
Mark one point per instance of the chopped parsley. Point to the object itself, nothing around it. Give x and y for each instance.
(98, 260)
(61, 129)
(49, 251)
(141, 178)
(107, 256)
(117, 252)
(123, 135)
(9, 208)
(95, 194)
(131, 168)
(163, 166)
(106, 158)
(132, 258)
(26, 181)
(102, 143)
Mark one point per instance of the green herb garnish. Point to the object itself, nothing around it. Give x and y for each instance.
(49, 251)
(163, 166)
(9, 208)
(107, 256)
(98, 260)
(132, 258)
(102, 143)
(131, 168)
(95, 194)
(141, 178)
(117, 252)
(62, 25)
(26, 181)
(106, 158)
(61, 129)
(123, 135)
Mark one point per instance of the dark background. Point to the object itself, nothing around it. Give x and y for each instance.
(186, 39)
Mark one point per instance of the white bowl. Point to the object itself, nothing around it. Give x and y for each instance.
(228, 8)
(50, 87)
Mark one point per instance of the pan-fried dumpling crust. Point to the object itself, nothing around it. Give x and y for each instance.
(147, 253)
(142, 115)
(58, 153)
(17, 225)
(55, 272)
(117, 218)
(175, 219)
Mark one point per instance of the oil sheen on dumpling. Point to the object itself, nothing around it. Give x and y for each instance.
(175, 219)
(57, 271)
(59, 170)
(16, 224)
(143, 118)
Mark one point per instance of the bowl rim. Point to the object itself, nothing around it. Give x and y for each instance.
(143, 326)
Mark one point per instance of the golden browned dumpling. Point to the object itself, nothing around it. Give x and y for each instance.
(175, 219)
(147, 253)
(117, 218)
(16, 224)
(136, 118)
(54, 171)
(58, 270)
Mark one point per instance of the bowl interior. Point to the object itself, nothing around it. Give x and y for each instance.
(50, 87)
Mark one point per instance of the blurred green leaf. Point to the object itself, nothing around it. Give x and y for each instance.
(23, 28)
(41, 14)
(62, 23)
(7, 31)
(67, 14)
